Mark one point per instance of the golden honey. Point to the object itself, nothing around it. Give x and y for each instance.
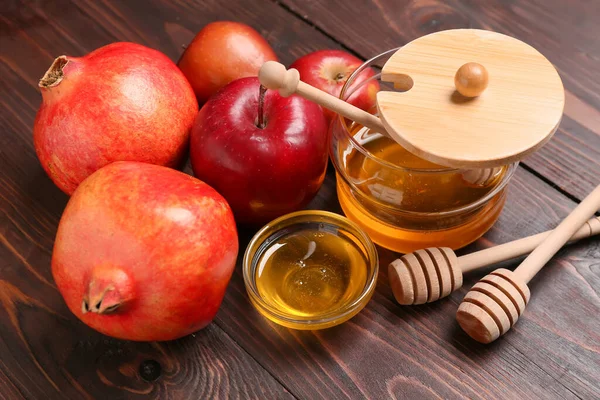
(418, 185)
(310, 270)
(406, 203)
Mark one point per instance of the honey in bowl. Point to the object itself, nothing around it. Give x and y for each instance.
(310, 270)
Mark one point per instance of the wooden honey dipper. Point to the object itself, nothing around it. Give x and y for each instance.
(497, 301)
(428, 275)
(275, 76)
(470, 80)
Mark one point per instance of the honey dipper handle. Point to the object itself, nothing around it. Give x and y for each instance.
(273, 75)
(559, 236)
(519, 247)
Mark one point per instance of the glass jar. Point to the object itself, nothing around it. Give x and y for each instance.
(403, 202)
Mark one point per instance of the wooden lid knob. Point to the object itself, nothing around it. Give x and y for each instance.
(471, 79)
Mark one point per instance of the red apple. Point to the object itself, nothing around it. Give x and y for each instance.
(263, 172)
(222, 52)
(329, 70)
(144, 252)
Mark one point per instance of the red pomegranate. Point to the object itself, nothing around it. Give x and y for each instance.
(144, 252)
(122, 102)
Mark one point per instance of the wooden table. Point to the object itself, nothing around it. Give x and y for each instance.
(387, 350)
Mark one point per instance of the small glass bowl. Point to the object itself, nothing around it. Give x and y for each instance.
(298, 223)
(402, 202)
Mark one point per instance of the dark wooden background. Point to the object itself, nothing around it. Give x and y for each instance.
(387, 351)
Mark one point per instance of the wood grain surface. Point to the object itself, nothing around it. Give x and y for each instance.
(386, 351)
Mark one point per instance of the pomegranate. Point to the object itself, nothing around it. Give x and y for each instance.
(144, 252)
(122, 102)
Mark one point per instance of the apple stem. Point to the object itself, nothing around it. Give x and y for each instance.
(261, 101)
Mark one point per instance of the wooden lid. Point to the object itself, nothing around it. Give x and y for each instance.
(517, 105)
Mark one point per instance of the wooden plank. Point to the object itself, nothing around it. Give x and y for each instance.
(389, 350)
(572, 158)
(384, 350)
(65, 359)
(8, 390)
(47, 353)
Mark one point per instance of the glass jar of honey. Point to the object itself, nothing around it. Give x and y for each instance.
(404, 202)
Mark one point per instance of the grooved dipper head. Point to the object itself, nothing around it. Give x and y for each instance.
(493, 305)
(425, 276)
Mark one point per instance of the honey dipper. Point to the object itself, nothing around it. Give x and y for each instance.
(273, 75)
(428, 275)
(497, 301)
